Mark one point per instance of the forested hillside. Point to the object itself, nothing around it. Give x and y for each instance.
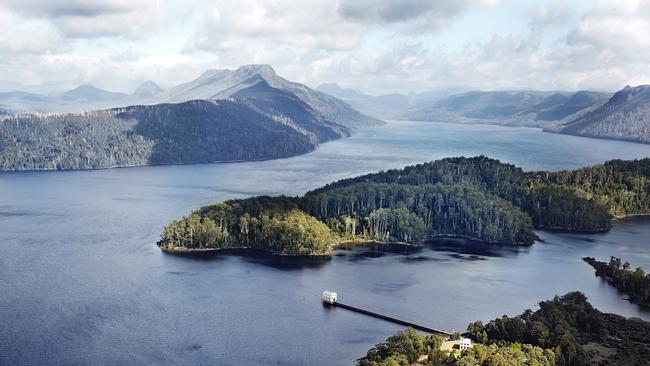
(478, 198)
(626, 116)
(583, 199)
(224, 115)
(565, 331)
(191, 132)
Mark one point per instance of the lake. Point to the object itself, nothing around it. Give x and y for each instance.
(82, 281)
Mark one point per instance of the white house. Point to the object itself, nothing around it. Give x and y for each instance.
(465, 343)
(459, 344)
(329, 297)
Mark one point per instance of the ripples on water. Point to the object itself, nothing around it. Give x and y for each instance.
(83, 283)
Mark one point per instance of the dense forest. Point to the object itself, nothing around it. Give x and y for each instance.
(635, 283)
(192, 132)
(582, 200)
(274, 224)
(477, 198)
(565, 331)
(625, 116)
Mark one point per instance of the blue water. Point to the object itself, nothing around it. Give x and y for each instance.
(82, 282)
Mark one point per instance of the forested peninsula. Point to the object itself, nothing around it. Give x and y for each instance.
(635, 283)
(565, 331)
(477, 198)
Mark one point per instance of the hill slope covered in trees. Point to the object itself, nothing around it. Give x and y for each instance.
(477, 198)
(192, 132)
(565, 331)
(626, 116)
(225, 115)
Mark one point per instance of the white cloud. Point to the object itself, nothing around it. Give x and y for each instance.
(374, 45)
(423, 13)
(97, 18)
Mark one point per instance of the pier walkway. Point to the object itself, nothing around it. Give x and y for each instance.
(330, 299)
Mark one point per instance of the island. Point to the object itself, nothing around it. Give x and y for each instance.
(634, 283)
(565, 331)
(476, 198)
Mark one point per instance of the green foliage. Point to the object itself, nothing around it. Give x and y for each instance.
(478, 198)
(619, 187)
(566, 324)
(406, 347)
(635, 283)
(509, 355)
(403, 348)
(559, 333)
(272, 224)
(410, 213)
(583, 199)
(191, 132)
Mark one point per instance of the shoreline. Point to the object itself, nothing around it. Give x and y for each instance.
(482, 241)
(345, 245)
(572, 231)
(234, 250)
(160, 164)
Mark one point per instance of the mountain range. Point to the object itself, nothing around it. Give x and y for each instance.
(625, 116)
(249, 113)
(82, 98)
(390, 106)
(252, 113)
(518, 108)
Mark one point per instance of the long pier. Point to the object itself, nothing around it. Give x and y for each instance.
(387, 318)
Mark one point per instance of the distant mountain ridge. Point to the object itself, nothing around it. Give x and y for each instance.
(82, 98)
(224, 115)
(625, 116)
(519, 108)
(147, 90)
(393, 105)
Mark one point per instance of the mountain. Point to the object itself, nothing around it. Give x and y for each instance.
(227, 115)
(391, 106)
(567, 106)
(82, 98)
(522, 108)
(223, 84)
(23, 101)
(198, 131)
(88, 93)
(146, 90)
(384, 106)
(625, 116)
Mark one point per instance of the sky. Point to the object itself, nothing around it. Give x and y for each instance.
(374, 46)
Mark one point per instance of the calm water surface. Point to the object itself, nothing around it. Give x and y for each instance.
(82, 282)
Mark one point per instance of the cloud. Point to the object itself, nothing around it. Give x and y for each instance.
(66, 8)
(618, 25)
(378, 46)
(318, 24)
(92, 19)
(248, 23)
(557, 12)
(433, 13)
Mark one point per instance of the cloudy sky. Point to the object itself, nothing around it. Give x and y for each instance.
(377, 46)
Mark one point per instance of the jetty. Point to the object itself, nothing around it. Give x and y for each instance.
(331, 299)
